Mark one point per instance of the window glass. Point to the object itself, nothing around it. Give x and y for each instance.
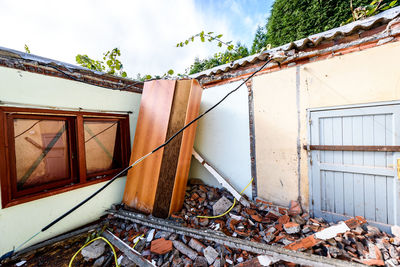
(41, 151)
(102, 147)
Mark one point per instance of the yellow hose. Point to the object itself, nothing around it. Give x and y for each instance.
(100, 237)
(233, 205)
(134, 245)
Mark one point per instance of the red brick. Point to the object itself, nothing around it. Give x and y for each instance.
(257, 218)
(283, 219)
(161, 246)
(303, 244)
(294, 208)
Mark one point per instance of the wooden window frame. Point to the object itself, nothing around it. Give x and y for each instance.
(76, 146)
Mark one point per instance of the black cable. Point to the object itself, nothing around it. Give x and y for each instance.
(208, 110)
(159, 147)
(100, 132)
(33, 125)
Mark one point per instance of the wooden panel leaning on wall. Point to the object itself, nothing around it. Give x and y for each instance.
(157, 185)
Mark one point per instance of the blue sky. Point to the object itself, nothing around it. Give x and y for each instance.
(243, 16)
(145, 31)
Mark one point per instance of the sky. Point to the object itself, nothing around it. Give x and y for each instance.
(145, 31)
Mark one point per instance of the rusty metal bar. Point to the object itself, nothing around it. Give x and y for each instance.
(236, 243)
(353, 148)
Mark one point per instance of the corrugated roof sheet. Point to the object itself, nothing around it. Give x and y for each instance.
(313, 40)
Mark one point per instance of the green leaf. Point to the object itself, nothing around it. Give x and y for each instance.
(147, 77)
(219, 44)
(210, 33)
(202, 38)
(219, 36)
(186, 42)
(202, 34)
(171, 72)
(393, 3)
(230, 47)
(123, 74)
(192, 38)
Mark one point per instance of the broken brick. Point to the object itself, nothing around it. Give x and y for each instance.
(284, 219)
(294, 208)
(303, 244)
(161, 246)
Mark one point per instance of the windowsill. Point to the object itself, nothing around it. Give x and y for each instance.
(57, 191)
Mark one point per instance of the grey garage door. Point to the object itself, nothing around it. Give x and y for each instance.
(351, 183)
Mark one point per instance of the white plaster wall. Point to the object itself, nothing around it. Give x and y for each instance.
(19, 222)
(222, 137)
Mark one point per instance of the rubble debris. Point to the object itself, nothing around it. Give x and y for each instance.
(352, 240)
(182, 248)
(222, 205)
(94, 250)
(332, 231)
(210, 254)
(161, 246)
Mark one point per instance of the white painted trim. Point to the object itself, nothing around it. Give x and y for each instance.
(372, 104)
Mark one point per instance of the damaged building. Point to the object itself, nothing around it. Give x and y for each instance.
(302, 161)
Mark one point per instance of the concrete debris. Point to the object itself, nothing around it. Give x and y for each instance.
(196, 245)
(185, 250)
(99, 262)
(332, 231)
(221, 206)
(150, 235)
(94, 250)
(211, 254)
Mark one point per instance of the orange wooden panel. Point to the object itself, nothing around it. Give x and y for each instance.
(151, 130)
(169, 165)
(185, 154)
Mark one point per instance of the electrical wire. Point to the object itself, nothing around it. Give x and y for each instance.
(91, 241)
(140, 237)
(233, 205)
(10, 253)
(33, 125)
(102, 131)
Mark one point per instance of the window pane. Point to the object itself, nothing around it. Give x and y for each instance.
(102, 146)
(41, 151)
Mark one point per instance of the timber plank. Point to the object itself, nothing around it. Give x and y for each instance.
(185, 155)
(151, 131)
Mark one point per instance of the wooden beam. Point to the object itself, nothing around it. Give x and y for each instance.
(354, 148)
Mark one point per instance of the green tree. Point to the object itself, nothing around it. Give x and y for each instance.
(291, 20)
(237, 52)
(110, 63)
(260, 40)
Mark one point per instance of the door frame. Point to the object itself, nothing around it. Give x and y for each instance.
(335, 216)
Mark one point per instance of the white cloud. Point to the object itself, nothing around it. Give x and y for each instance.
(145, 31)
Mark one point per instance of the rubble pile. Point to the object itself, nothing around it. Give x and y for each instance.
(169, 249)
(291, 228)
(352, 240)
